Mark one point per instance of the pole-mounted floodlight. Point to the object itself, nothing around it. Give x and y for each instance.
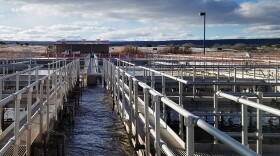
(203, 14)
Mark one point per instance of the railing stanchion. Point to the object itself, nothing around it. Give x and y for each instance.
(234, 79)
(153, 80)
(181, 117)
(29, 103)
(259, 124)
(147, 125)
(216, 118)
(41, 107)
(194, 88)
(119, 88)
(130, 106)
(1, 110)
(156, 100)
(123, 95)
(136, 110)
(244, 113)
(48, 97)
(189, 122)
(163, 93)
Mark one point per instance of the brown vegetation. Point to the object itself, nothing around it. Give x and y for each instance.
(171, 49)
(129, 50)
(17, 51)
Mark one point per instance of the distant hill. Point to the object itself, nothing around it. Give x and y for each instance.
(208, 43)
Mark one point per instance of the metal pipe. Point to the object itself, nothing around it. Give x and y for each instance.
(249, 103)
(16, 129)
(1, 110)
(190, 123)
(123, 95)
(163, 93)
(136, 110)
(216, 107)
(259, 125)
(235, 145)
(157, 125)
(181, 118)
(147, 125)
(244, 121)
(130, 106)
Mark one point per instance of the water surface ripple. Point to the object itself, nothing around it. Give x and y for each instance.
(97, 130)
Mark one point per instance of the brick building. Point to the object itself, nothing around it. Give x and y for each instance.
(83, 46)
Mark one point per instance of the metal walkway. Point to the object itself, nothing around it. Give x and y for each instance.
(143, 105)
(39, 95)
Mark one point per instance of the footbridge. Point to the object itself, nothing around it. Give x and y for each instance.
(32, 92)
(193, 106)
(170, 105)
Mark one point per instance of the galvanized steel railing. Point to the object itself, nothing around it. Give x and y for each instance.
(123, 84)
(62, 78)
(243, 100)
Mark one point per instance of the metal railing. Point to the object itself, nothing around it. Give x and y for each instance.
(260, 108)
(124, 87)
(53, 86)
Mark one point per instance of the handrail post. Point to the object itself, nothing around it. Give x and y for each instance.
(134, 70)
(123, 94)
(216, 119)
(194, 75)
(254, 77)
(130, 106)
(29, 103)
(244, 112)
(108, 81)
(145, 75)
(234, 79)
(41, 107)
(136, 110)
(259, 124)
(104, 64)
(16, 129)
(55, 96)
(163, 93)
(147, 125)
(156, 100)
(153, 80)
(181, 118)
(17, 117)
(48, 97)
(190, 123)
(276, 81)
(114, 84)
(119, 88)
(111, 77)
(28, 137)
(1, 110)
(218, 73)
(37, 85)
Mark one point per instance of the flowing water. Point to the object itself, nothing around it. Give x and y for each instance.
(97, 130)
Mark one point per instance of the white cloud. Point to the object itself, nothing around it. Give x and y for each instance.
(262, 11)
(6, 29)
(266, 31)
(136, 20)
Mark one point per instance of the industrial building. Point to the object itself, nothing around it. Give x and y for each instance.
(84, 46)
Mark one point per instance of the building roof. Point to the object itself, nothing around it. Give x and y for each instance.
(82, 42)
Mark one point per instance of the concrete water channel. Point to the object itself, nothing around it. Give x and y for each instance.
(169, 105)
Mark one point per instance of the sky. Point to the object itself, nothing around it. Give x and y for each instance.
(137, 20)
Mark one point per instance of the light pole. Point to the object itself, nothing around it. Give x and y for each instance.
(204, 15)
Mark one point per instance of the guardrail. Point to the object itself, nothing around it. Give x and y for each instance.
(62, 78)
(244, 113)
(125, 89)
